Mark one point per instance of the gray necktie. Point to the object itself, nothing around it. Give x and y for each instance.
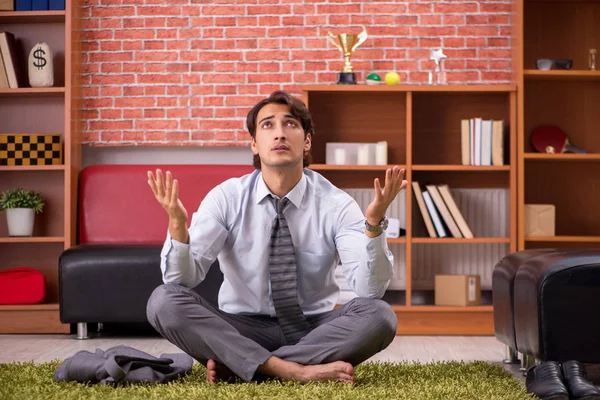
(282, 270)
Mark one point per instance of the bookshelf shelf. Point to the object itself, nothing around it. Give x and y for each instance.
(561, 157)
(565, 239)
(33, 239)
(32, 168)
(563, 75)
(27, 91)
(37, 17)
(422, 240)
(474, 168)
(32, 318)
(329, 167)
(29, 307)
(409, 88)
(402, 116)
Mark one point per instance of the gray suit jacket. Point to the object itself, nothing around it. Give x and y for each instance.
(122, 364)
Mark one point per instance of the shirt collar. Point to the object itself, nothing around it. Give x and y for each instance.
(295, 195)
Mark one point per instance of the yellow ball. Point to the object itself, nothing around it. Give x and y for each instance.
(392, 78)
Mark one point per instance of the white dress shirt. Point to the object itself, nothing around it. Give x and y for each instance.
(233, 224)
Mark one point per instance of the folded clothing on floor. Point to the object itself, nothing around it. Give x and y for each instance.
(122, 364)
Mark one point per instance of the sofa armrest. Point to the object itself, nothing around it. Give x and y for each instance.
(112, 283)
(550, 276)
(503, 279)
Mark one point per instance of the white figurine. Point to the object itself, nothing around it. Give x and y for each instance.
(437, 55)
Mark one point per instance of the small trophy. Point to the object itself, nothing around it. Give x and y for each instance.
(438, 55)
(347, 43)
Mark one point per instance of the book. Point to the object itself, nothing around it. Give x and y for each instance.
(443, 210)
(486, 142)
(3, 77)
(423, 208)
(498, 142)
(476, 141)
(465, 142)
(456, 214)
(437, 222)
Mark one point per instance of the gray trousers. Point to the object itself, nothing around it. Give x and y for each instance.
(353, 333)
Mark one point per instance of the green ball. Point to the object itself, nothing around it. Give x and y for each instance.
(373, 79)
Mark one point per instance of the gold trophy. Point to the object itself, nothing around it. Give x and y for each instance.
(347, 43)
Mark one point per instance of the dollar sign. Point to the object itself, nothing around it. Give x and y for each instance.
(40, 61)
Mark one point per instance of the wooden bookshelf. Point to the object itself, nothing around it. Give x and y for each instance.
(421, 125)
(55, 110)
(569, 99)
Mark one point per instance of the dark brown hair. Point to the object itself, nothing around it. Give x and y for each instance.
(297, 108)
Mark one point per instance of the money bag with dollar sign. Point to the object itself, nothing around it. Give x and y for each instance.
(40, 64)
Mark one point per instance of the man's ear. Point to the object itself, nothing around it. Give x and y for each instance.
(253, 145)
(307, 142)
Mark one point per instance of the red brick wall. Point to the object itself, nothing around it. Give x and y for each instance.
(187, 73)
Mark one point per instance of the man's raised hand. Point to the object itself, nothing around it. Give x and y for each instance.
(167, 195)
(394, 183)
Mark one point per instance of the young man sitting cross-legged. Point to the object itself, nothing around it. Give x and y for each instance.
(278, 234)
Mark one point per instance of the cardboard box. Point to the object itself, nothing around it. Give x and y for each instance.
(540, 219)
(7, 5)
(457, 290)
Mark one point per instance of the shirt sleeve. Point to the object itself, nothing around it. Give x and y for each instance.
(187, 264)
(367, 263)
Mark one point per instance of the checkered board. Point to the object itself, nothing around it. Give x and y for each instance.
(30, 149)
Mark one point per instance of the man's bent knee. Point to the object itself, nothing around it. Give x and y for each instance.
(381, 316)
(160, 304)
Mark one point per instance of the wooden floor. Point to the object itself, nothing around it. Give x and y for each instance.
(42, 348)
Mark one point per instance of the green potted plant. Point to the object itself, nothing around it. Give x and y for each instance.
(21, 206)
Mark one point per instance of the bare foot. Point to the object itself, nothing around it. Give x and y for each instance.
(292, 371)
(218, 372)
(335, 371)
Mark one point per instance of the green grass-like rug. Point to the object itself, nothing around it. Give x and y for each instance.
(442, 380)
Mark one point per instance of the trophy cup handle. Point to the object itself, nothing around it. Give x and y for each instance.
(331, 38)
(361, 38)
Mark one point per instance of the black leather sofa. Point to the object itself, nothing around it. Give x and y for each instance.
(545, 305)
(111, 284)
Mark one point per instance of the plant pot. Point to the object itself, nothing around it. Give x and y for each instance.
(20, 221)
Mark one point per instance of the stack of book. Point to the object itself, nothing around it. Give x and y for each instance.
(440, 213)
(482, 141)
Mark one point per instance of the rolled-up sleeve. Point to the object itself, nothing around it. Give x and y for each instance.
(367, 262)
(187, 264)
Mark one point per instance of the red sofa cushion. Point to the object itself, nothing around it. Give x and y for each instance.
(117, 206)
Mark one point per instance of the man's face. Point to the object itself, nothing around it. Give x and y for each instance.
(279, 139)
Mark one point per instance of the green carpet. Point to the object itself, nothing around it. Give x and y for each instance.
(443, 380)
